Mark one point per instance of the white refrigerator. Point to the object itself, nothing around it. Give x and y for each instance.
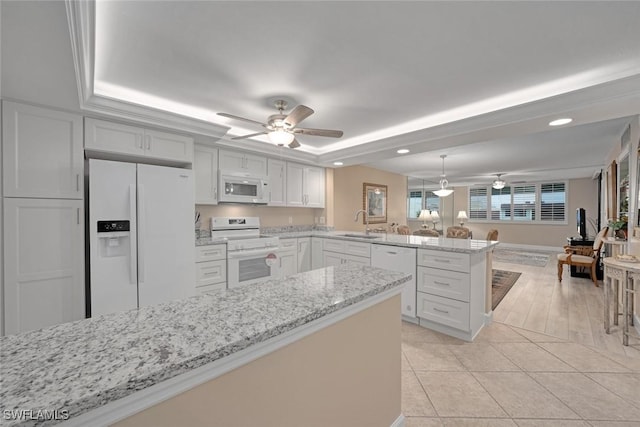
(141, 235)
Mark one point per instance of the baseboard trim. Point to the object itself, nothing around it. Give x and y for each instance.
(530, 247)
(488, 318)
(399, 422)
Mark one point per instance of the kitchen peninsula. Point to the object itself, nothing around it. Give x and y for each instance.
(316, 348)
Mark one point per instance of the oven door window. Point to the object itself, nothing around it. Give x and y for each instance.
(254, 268)
(240, 189)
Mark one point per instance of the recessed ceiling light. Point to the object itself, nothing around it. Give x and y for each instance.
(338, 163)
(560, 122)
(402, 151)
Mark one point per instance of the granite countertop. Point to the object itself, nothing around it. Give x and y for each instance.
(423, 242)
(79, 366)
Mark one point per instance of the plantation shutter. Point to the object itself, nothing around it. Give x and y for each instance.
(432, 202)
(501, 204)
(524, 202)
(552, 202)
(478, 203)
(414, 204)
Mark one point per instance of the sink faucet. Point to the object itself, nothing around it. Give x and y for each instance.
(366, 219)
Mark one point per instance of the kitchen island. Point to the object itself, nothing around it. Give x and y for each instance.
(316, 348)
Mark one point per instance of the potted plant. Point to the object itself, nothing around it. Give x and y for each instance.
(619, 227)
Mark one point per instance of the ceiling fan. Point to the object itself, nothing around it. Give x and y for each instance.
(281, 129)
(499, 183)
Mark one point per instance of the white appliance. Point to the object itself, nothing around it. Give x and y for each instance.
(400, 259)
(241, 187)
(251, 258)
(141, 235)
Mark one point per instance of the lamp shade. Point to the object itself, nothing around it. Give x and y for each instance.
(280, 137)
(443, 192)
(434, 216)
(462, 215)
(425, 215)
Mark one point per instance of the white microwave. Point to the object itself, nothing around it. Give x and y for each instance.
(239, 187)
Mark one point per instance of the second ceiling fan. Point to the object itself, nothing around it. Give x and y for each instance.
(281, 128)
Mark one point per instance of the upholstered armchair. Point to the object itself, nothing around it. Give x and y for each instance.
(426, 232)
(492, 234)
(583, 256)
(404, 229)
(457, 232)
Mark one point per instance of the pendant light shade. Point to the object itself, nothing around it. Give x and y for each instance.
(499, 183)
(443, 191)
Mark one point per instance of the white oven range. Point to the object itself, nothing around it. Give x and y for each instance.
(251, 258)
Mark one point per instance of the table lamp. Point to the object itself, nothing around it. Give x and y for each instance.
(425, 216)
(462, 215)
(435, 218)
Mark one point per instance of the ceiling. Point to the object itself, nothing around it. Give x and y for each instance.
(477, 81)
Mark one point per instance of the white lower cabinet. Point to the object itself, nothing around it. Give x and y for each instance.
(43, 263)
(288, 257)
(211, 268)
(448, 298)
(400, 259)
(317, 244)
(304, 254)
(336, 252)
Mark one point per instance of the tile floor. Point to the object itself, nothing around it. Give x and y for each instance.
(533, 366)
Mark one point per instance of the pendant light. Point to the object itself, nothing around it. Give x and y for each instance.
(443, 191)
(499, 183)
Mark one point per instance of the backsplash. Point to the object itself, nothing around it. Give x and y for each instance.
(294, 228)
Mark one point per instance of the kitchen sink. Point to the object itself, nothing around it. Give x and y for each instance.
(360, 236)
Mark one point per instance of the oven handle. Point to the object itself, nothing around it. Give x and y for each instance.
(246, 254)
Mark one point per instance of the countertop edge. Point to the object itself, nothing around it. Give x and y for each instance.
(129, 405)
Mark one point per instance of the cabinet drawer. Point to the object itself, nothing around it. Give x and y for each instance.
(333, 245)
(210, 272)
(217, 287)
(358, 249)
(446, 260)
(445, 311)
(288, 244)
(211, 252)
(445, 283)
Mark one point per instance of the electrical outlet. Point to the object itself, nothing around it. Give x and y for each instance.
(290, 220)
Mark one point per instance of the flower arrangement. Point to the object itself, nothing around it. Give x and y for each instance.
(619, 227)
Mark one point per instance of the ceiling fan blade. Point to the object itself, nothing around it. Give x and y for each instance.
(297, 115)
(319, 132)
(249, 136)
(231, 116)
(294, 144)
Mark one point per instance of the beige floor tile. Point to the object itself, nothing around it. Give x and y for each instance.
(631, 362)
(583, 358)
(422, 422)
(482, 357)
(478, 422)
(521, 397)
(586, 397)
(499, 332)
(405, 366)
(551, 423)
(414, 399)
(431, 357)
(537, 337)
(458, 394)
(530, 357)
(626, 386)
(613, 423)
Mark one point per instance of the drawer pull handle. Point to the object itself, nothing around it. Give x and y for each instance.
(441, 311)
(213, 273)
(441, 283)
(442, 260)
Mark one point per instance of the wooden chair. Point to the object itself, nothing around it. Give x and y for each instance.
(583, 256)
(426, 232)
(492, 234)
(457, 232)
(404, 229)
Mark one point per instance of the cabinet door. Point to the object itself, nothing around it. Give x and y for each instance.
(257, 165)
(42, 152)
(360, 260)
(314, 187)
(231, 160)
(205, 169)
(44, 263)
(109, 137)
(331, 259)
(277, 173)
(167, 146)
(288, 263)
(295, 194)
(316, 253)
(304, 254)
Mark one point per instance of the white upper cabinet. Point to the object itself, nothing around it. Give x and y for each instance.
(305, 186)
(205, 169)
(277, 173)
(242, 162)
(103, 137)
(42, 152)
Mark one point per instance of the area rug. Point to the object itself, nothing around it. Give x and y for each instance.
(501, 282)
(522, 256)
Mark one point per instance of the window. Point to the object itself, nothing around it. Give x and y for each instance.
(414, 204)
(552, 202)
(432, 202)
(534, 202)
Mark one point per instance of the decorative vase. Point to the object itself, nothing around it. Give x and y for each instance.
(620, 234)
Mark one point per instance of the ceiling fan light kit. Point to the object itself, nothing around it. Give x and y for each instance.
(281, 129)
(443, 191)
(498, 183)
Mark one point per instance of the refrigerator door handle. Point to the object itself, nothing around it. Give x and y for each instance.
(132, 243)
(141, 233)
